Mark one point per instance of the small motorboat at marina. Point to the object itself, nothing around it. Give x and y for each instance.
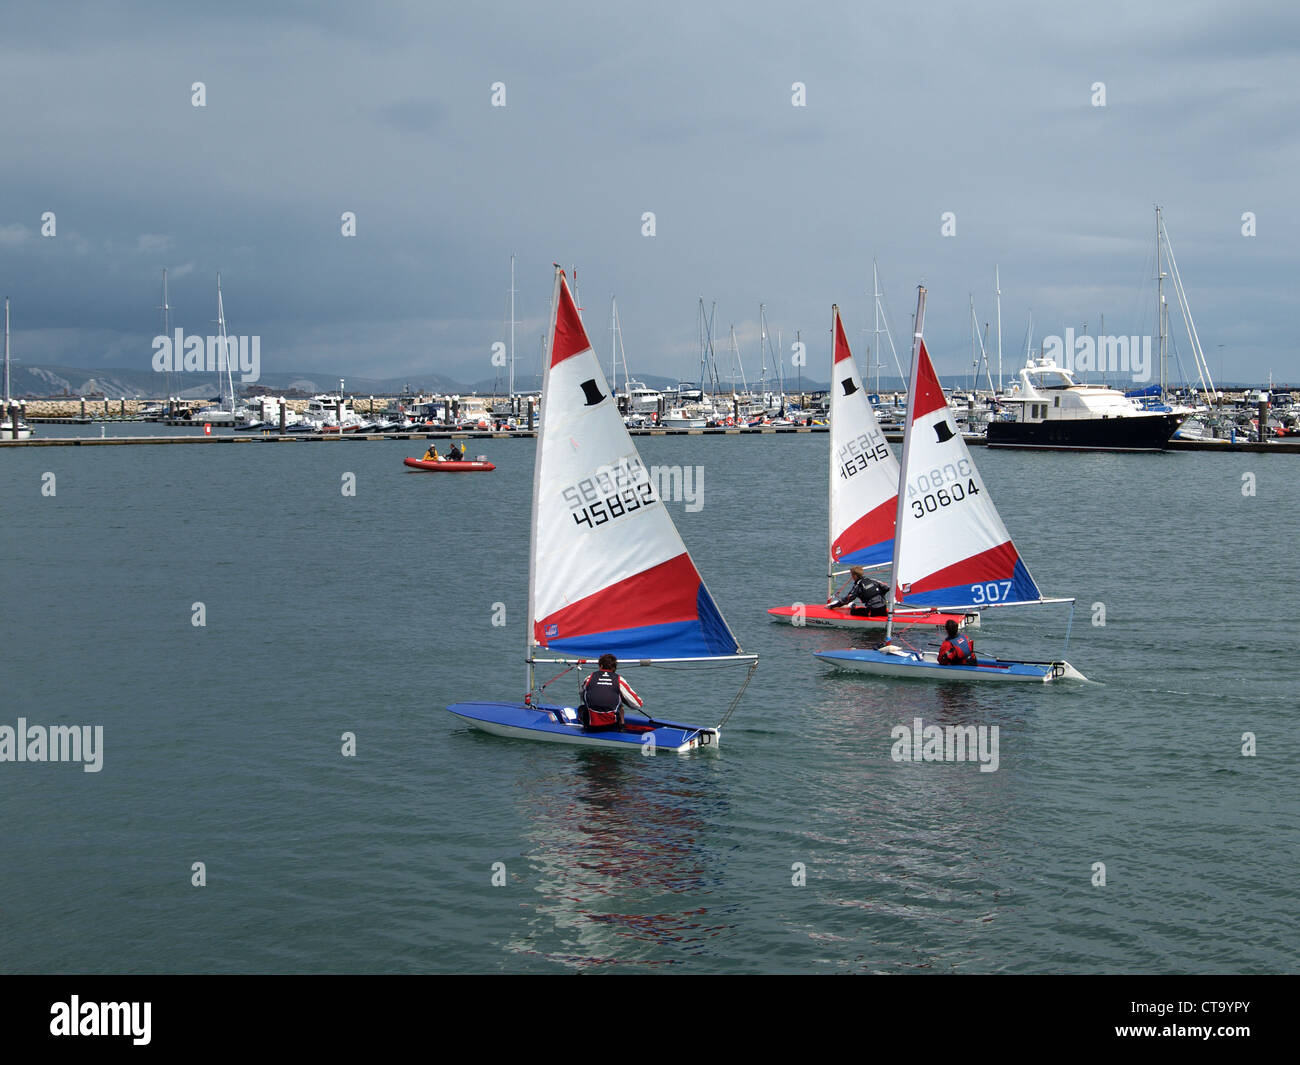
(479, 465)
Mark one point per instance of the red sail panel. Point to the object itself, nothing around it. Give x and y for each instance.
(929, 396)
(570, 336)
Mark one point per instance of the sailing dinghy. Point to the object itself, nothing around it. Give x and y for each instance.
(607, 570)
(863, 493)
(951, 549)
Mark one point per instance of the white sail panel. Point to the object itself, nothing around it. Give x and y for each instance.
(609, 571)
(864, 472)
(953, 551)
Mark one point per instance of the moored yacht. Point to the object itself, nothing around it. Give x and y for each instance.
(642, 399)
(1049, 409)
(12, 426)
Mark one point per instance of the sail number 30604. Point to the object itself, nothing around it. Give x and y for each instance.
(941, 487)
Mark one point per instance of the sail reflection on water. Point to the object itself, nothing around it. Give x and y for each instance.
(620, 855)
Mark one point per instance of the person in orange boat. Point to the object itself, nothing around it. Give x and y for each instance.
(432, 454)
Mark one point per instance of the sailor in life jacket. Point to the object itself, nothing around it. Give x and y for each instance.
(603, 696)
(432, 454)
(869, 592)
(957, 649)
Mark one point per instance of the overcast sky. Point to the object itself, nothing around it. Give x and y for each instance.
(613, 110)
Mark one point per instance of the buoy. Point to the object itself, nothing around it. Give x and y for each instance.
(207, 428)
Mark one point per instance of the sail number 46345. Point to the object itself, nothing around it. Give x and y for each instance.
(941, 487)
(858, 454)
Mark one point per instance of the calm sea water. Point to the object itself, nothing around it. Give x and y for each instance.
(328, 614)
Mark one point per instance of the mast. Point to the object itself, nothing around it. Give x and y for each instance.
(830, 471)
(875, 287)
(5, 413)
(902, 465)
(165, 308)
(223, 345)
(778, 359)
(736, 361)
(997, 284)
(613, 341)
(974, 333)
(798, 340)
(547, 343)
(1160, 301)
(512, 333)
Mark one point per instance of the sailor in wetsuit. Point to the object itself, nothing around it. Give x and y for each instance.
(957, 649)
(603, 696)
(871, 594)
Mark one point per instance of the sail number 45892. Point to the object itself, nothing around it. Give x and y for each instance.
(941, 487)
(610, 494)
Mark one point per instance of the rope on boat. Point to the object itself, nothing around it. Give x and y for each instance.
(736, 701)
(1068, 628)
(559, 675)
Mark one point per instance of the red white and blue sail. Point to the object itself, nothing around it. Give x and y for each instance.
(864, 472)
(608, 570)
(953, 552)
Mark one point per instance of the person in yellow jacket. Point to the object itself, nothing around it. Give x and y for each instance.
(432, 454)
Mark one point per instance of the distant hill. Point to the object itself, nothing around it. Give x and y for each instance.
(45, 382)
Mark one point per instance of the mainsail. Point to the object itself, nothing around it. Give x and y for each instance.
(864, 472)
(608, 571)
(952, 550)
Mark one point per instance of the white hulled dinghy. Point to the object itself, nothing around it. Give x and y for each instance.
(863, 498)
(607, 572)
(951, 550)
